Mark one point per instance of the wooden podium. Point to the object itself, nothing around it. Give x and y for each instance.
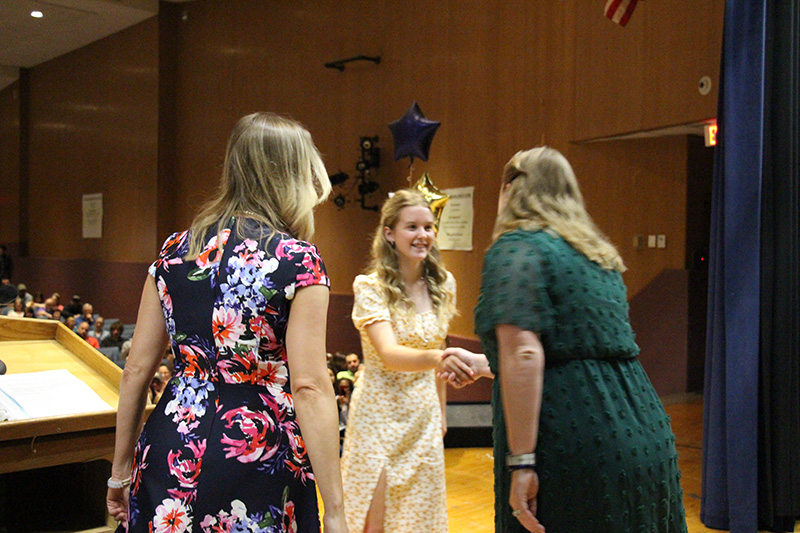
(31, 345)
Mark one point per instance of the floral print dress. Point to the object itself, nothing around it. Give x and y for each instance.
(222, 451)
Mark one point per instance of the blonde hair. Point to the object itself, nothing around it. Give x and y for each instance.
(544, 195)
(385, 263)
(272, 173)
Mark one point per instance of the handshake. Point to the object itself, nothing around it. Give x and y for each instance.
(460, 367)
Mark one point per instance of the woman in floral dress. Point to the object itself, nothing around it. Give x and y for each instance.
(393, 457)
(242, 298)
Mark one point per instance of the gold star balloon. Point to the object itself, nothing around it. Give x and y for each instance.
(436, 198)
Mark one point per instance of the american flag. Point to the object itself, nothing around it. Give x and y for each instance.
(620, 11)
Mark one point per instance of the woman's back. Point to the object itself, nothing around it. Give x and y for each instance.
(223, 443)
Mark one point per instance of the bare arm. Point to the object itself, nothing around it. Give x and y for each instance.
(521, 359)
(398, 357)
(314, 403)
(147, 350)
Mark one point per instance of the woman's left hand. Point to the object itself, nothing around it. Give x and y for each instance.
(522, 498)
(117, 504)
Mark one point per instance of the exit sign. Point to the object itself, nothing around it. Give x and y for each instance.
(710, 134)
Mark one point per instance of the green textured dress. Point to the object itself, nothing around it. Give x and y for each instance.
(606, 452)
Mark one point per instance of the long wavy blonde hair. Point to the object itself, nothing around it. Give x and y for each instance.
(272, 173)
(385, 263)
(544, 195)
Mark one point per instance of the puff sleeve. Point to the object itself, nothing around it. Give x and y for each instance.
(369, 303)
(513, 289)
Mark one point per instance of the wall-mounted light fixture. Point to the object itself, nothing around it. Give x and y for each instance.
(363, 185)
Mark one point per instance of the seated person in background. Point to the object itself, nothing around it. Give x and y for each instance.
(29, 312)
(57, 315)
(344, 389)
(114, 338)
(166, 371)
(87, 315)
(83, 332)
(156, 388)
(338, 363)
(27, 298)
(97, 330)
(56, 297)
(18, 310)
(353, 365)
(124, 350)
(70, 322)
(46, 309)
(74, 307)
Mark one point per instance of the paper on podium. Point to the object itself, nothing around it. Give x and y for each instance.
(47, 393)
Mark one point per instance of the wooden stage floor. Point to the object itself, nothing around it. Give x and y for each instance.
(470, 500)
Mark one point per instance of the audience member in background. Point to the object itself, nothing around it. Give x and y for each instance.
(56, 297)
(46, 310)
(98, 331)
(73, 308)
(344, 389)
(353, 365)
(114, 338)
(83, 332)
(87, 315)
(29, 312)
(157, 385)
(18, 310)
(124, 350)
(338, 363)
(57, 315)
(27, 298)
(6, 263)
(70, 322)
(165, 369)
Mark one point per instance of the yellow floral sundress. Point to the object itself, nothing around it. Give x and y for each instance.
(395, 423)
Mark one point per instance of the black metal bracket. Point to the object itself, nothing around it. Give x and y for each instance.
(339, 65)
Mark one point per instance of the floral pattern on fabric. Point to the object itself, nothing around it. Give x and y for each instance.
(223, 446)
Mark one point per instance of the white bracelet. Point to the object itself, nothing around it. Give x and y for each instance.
(521, 461)
(118, 483)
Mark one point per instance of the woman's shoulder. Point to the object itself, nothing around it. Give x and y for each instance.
(525, 241)
(369, 280)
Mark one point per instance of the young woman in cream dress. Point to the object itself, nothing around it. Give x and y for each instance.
(393, 457)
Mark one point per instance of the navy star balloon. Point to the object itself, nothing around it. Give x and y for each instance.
(413, 134)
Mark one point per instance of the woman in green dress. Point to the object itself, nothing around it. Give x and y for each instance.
(581, 440)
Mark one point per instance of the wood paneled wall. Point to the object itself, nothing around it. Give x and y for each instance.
(500, 77)
(9, 166)
(93, 129)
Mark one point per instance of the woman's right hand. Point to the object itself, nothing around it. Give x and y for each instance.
(334, 522)
(117, 504)
(461, 367)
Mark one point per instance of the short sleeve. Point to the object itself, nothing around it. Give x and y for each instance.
(369, 304)
(175, 245)
(514, 288)
(309, 268)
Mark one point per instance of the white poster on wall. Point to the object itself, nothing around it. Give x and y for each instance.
(455, 228)
(93, 216)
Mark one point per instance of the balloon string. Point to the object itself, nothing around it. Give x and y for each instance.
(410, 171)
